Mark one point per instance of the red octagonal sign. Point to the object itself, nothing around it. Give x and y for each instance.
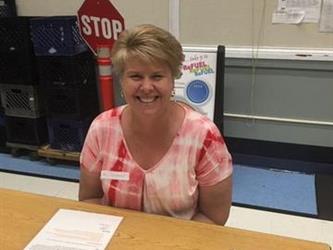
(100, 23)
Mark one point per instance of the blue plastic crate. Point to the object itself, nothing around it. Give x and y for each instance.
(71, 101)
(57, 36)
(68, 135)
(67, 70)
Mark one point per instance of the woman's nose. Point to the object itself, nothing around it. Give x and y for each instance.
(147, 84)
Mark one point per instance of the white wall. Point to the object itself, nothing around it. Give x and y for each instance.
(134, 12)
(242, 23)
(204, 22)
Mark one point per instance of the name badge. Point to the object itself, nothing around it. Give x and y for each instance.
(114, 175)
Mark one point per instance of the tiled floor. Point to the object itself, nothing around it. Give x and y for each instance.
(250, 219)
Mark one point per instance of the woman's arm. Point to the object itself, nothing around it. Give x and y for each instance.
(202, 218)
(215, 202)
(90, 189)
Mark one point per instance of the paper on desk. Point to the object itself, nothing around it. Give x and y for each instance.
(75, 230)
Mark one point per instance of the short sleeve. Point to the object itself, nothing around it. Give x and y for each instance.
(215, 163)
(89, 157)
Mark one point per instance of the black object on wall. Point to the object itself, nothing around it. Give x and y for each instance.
(219, 99)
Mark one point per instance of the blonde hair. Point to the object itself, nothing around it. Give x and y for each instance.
(150, 44)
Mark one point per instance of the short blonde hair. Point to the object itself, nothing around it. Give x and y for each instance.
(150, 44)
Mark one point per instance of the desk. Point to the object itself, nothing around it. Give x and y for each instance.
(22, 215)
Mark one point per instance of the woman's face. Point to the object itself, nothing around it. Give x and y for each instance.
(146, 87)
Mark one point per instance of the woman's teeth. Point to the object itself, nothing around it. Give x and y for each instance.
(147, 99)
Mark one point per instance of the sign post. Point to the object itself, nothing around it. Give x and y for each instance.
(100, 24)
(105, 77)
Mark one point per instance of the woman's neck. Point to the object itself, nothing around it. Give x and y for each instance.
(150, 126)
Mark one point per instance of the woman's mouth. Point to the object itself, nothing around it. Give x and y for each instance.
(149, 99)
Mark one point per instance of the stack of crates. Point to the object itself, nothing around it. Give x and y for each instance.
(7, 9)
(21, 96)
(67, 74)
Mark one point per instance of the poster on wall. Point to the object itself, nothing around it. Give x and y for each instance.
(306, 11)
(202, 82)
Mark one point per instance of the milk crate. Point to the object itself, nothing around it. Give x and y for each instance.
(2, 110)
(68, 135)
(7, 8)
(22, 100)
(2, 131)
(67, 70)
(57, 36)
(15, 34)
(30, 131)
(18, 67)
(71, 102)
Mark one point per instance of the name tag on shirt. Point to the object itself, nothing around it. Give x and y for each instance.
(114, 175)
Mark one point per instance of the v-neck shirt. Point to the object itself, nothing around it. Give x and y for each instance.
(197, 157)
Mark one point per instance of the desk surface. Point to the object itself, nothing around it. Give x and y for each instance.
(22, 215)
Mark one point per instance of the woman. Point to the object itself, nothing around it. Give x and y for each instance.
(154, 154)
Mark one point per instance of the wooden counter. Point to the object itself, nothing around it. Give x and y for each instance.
(22, 215)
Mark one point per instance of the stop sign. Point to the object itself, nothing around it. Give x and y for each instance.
(100, 23)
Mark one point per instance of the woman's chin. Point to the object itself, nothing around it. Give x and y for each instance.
(150, 109)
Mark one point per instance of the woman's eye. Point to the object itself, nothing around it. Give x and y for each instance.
(157, 77)
(135, 77)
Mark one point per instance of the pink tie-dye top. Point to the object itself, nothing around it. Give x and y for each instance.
(197, 157)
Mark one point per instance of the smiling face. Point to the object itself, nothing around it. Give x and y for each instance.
(147, 87)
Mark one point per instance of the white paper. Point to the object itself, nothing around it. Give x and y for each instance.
(310, 7)
(75, 230)
(326, 20)
(288, 17)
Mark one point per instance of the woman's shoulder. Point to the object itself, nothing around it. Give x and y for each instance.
(108, 117)
(199, 123)
(199, 119)
(110, 114)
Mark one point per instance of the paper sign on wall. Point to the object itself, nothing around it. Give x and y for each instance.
(196, 86)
